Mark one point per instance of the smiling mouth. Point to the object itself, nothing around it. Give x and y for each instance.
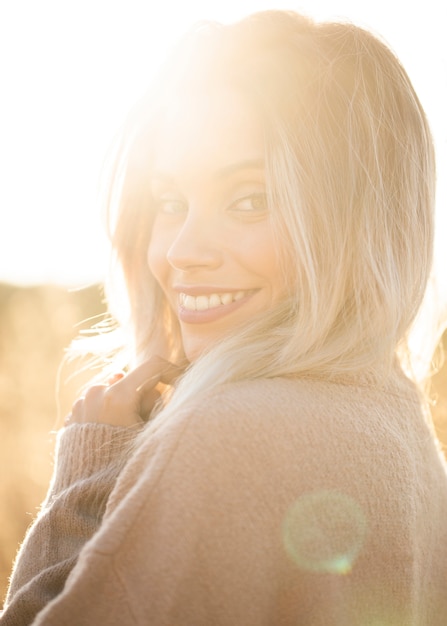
(211, 301)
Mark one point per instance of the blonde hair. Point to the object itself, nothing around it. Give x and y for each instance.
(350, 174)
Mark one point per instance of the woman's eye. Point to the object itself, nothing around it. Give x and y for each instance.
(170, 206)
(256, 202)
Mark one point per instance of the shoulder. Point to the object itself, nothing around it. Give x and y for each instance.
(303, 407)
(287, 435)
(261, 422)
(254, 426)
(251, 448)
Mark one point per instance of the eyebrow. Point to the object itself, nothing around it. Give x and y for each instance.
(249, 164)
(239, 166)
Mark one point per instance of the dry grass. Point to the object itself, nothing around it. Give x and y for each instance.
(36, 325)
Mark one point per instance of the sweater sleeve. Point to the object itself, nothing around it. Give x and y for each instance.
(87, 460)
(210, 521)
(183, 537)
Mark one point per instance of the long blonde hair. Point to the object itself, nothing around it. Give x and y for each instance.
(351, 177)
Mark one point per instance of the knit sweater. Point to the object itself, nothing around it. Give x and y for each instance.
(268, 502)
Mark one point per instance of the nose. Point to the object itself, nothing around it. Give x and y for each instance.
(197, 243)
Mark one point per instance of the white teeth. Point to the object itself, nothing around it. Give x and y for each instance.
(189, 302)
(226, 298)
(203, 303)
(214, 300)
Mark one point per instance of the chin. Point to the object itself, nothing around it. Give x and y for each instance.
(193, 353)
(194, 347)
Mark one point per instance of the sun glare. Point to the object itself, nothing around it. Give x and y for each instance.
(72, 71)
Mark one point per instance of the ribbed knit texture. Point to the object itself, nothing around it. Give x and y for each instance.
(270, 502)
(87, 462)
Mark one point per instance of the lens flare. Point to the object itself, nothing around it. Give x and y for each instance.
(324, 531)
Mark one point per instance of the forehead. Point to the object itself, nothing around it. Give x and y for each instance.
(208, 129)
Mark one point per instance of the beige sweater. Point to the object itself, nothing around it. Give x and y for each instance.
(271, 502)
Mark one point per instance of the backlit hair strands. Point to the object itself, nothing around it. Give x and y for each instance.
(350, 176)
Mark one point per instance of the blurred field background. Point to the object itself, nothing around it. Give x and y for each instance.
(36, 325)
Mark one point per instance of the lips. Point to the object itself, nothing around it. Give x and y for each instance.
(205, 302)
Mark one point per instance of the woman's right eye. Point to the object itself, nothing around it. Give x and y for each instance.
(170, 205)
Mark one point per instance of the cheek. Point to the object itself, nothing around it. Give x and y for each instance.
(157, 258)
(262, 255)
(273, 267)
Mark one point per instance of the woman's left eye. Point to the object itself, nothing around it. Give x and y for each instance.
(256, 202)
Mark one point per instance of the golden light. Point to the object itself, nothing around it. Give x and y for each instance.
(69, 73)
(72, 71)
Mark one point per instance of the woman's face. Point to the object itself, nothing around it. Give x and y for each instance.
(212, 248)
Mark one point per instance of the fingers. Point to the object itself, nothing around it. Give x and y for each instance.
(147, 403)
(115, 378)
(149, 374)
(92, 407)
(138, 390)
(127, 399)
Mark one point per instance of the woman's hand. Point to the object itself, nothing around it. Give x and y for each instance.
(127, 399)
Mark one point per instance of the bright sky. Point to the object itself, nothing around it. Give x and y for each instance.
(70, 71)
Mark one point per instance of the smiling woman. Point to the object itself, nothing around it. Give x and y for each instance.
(265, 459)
(212, 249)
